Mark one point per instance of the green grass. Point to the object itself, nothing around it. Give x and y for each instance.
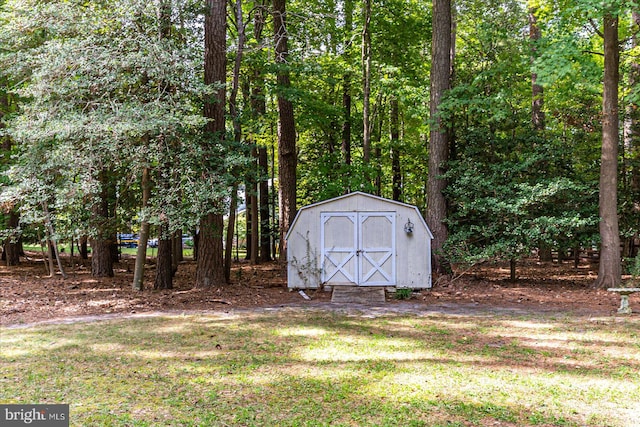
(313, 368)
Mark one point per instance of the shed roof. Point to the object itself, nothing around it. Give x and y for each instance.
(359, 194)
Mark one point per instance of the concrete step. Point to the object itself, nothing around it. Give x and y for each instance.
(358, 295)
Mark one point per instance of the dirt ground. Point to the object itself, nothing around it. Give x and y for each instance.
(28, 295)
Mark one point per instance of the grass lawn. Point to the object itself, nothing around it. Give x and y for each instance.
(315, 368)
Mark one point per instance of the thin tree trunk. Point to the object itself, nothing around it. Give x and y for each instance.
(287, 154)
(52, 241)
(366, 82)
(176, 250)
(394, 125)
(537, 102)
(141, 253)
(228, 247)
(609, 272)
(265, 229)
(633, 136)
(439, 135)
(346, 88)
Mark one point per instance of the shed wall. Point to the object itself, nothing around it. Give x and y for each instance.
(413, 250)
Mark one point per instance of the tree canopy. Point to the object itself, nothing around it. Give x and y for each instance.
(95, 93)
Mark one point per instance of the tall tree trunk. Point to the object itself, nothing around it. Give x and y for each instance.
(11, 245)
(394, 126)
(346, 88)
(177, 249)
(210, 271)
(633, 135)
(255, 220)
(287, 155)
(258, 110)
(537, 101)
(164, 260)
(141, 253)
(609, 272)
(537, 91)
(102, 243)
(231, 222)
(366, 82)
(51, 238)
(265, 229)
(83, 247)
(439, 135)
(210, 264)
(164, 271)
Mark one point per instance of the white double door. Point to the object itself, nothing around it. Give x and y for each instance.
(358, 248)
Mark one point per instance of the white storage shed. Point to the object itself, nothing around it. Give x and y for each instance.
(359, 240)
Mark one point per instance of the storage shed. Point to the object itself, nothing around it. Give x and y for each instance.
(359, 240)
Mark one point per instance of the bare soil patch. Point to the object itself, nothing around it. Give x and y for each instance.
(28, 295)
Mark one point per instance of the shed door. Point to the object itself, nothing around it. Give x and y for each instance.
(358, 248)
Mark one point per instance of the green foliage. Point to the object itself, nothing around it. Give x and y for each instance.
(100, 91)
(513, 200)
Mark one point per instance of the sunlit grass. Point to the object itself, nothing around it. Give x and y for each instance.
(314, 368)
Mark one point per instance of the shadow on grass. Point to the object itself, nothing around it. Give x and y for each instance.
(319, 368)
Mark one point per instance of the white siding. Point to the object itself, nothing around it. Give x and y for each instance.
(412, 251)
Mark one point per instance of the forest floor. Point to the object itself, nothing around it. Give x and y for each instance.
(28, 295)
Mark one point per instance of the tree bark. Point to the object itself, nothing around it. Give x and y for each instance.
(210, 264)
(11, 245)
(102, 243)
(141, 253)
(210, 269)
(231, 222)
(537, 102)
(439, 134)
(265, 229)
(394, 124)
(346, 88)
(537, 91)
(164, 271)
(366, 82)
(609, 272)
(287, 154)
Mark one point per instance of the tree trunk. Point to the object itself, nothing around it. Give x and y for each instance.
(141, 253)
(83, 247)
(228, 247)
(346, 88)
(366, 82)
(633, 135)
(537, 92)
(11, 245)
(287, 155)
(164, 270)
(255, 220)
(609, 272)
(394, 124)
(176, 250)
(439, 135)
(102, 243)
(265, 229)
(537, 102)
(210, 265)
